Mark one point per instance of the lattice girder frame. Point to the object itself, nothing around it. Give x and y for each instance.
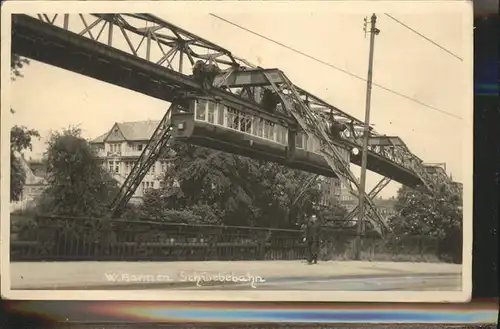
(372, 194)
(170, 40)
(314, 127)
(144, 36)
(157, 145)
(394, 149)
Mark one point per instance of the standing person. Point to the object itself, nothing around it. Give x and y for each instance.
(312, 239)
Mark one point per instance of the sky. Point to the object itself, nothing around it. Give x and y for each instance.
(48, 98)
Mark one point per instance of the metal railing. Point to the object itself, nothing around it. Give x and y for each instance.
(59, 239)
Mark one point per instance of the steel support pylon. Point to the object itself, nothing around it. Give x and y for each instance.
(158, 143)
(313, 127)
(372, 194)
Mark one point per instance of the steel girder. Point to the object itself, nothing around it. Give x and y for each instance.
(145, 36)
(391, 148)
(154, 40)
(372, 194)
(159, 142)
(314, 126)
(307, 183)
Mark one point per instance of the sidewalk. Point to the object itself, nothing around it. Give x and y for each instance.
(134, 275)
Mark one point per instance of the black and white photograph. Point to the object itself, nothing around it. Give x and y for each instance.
(237, 151)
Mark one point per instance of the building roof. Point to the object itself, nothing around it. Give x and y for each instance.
(132, 131)
(31, 178)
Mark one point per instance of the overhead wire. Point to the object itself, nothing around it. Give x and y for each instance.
(423, 36)
(335, 67)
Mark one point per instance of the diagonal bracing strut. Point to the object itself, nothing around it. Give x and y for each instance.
(315, 128)
(159, 141)
(373, 193)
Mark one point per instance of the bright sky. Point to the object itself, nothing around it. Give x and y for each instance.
(51, 98)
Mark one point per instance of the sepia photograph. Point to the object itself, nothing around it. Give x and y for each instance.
(237, 151)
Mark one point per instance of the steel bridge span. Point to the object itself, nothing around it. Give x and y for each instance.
(120, 49)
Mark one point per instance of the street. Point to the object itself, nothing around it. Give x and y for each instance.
(448, 282)
(237, 275)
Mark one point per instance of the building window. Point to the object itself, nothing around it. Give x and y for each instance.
(115, 147)
(117, 167)
(110, 165)
(201, 110)
(139, 147)
(211, 112)
(220, 114)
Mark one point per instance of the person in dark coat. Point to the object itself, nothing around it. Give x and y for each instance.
(312, 239)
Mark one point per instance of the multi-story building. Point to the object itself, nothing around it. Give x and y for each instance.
(334, 192)
(121, 146)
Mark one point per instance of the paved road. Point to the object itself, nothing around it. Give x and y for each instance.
(418, 282)
(267, 275)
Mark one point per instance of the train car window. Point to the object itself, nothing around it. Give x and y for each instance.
(232, 119)
(245, 123)
(211, 112)
(284, 135)
(201, 110)
(257, 127)
(299, 140)
(307, 143)
(267, 130)
(220, 114)
(279, 135)
(229, 118)
(271, 132)
(312, 144)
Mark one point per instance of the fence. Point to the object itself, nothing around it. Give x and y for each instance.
(58, 239)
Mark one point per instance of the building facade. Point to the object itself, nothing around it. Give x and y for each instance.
(121, 146)
(334, 192)
(34, 185)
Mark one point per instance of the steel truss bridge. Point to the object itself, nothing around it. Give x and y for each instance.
(144, 53)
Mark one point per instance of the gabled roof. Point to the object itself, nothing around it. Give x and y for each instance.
(100, 139)
(132, 131)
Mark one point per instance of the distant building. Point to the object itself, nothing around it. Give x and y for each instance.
(334, 192)
(121, 146)
(34, 185)
(385, 207)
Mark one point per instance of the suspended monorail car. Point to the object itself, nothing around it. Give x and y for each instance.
(210, 123)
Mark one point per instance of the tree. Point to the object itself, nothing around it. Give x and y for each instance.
(16, 64)
(20, 140)
(437, 216)
(200, 178)
(231, 189)
(78, 184)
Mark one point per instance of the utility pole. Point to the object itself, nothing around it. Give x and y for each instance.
(373, 31)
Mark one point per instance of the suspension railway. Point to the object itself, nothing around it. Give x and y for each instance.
(222, 102)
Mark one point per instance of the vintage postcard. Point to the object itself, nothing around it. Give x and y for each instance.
(285, 151)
